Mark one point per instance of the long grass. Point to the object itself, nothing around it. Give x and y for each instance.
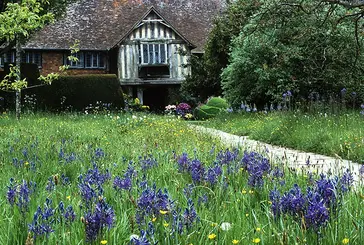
(46, 148)
(333, 135)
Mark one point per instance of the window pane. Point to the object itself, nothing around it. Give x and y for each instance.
(156, 54)
(24, 58)
(80, 60)
(163, 53)
(94, 60)
(101, 60)
(151, 59)
(88, 58)
(145, 53)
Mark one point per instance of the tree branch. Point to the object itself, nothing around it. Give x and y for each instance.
(347, 3)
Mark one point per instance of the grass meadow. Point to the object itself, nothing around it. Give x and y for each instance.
(144, 179)
(329, 134)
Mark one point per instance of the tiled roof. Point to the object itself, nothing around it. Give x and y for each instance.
(101, 24)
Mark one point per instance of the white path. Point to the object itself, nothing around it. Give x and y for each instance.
(294, 159)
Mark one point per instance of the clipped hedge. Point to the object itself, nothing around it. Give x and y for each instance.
(78, 92)
(205, 112)
(218, 102)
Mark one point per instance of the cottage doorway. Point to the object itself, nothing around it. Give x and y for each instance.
(156, 97)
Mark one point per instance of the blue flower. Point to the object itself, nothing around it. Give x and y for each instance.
(256, 166)
(103, 216)
(190, 214)
(317, 215)
(99, 153)
(122, 184)
(42, 220)
(346, 181)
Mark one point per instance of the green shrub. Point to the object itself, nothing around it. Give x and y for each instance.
(218, 102)
(206, 112)
(78, 92)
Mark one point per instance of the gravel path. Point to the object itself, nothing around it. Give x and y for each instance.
(297, 160)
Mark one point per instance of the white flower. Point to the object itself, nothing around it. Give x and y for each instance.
(225, 226)
(134, 236)
(134, 117)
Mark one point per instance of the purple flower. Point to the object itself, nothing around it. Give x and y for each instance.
(197, 170)
(346, 181)
(122, 184)
(274, 197)
(50, 185)
(99, 153)
(343, 91)
(42, 220)
(190, 214)
(147, 163)
(211, 176)
(293, 202)
(256, 166)
(102, 217)
(227, 156)
(151, 202)
(361, 170)
(182, 109)
(317, 214)
(11, 193)
(70, 214)
(327, 188)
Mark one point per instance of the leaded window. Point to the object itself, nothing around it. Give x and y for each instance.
(153, 53)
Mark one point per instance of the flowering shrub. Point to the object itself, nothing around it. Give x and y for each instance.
(170, 109)
(182, 109)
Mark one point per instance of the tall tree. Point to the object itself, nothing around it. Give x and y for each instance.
(295, 45)
(18, 21)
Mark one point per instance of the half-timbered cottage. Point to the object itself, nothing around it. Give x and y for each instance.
(147, 43)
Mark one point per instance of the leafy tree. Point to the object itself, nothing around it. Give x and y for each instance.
(296, 45)
(17, 22)
(205, 78)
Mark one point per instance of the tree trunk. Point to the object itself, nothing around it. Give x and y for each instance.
(18, 77)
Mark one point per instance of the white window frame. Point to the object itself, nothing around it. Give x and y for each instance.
(95, 60)
(152, 59)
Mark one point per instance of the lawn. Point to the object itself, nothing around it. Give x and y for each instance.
(332, 135)
(144, 179)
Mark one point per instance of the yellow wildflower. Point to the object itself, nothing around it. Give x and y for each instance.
(163, 211)
(103, 242)
(68, 197)
(166, 225)
(213, 224)
(212, 236)
(26, 163)
(246, 215)
(256, 240)
(154, 219)
(258, 229)
(235, 241)
(251, 191)
(243, 191)
(345, 240)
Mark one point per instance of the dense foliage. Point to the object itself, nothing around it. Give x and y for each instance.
(303, 47)
(206, 69)
(78, 92)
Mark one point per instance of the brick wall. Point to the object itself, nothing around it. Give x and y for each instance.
(52, 60)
